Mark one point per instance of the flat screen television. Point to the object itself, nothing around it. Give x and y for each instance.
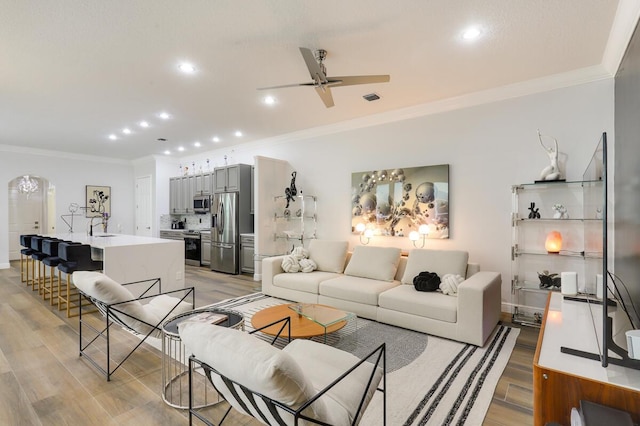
(613, 290)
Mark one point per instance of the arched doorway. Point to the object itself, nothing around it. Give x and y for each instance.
(32, 209)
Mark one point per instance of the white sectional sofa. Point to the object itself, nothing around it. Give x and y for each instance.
(377, 283)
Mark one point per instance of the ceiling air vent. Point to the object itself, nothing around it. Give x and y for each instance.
(371, 97)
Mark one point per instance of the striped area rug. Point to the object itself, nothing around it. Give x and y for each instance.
(430, 380)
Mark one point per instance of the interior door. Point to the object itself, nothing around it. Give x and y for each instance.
(25, 217)
(144, 211)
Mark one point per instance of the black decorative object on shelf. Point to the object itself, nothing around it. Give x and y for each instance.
(548, 280)
(534, 213)
(291, 191)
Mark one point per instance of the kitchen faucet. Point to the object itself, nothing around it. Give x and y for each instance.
(105, 223)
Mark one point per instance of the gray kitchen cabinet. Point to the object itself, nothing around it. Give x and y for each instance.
(188, 191)
(233, 178)
(204, 184)
(247, 249)
(176, 205)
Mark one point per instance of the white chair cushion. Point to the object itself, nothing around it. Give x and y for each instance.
(161, 305)
(378, 263)
(323, 364)
(251, 362)
(108, 291)
(355, 289)
(101, 287)
(328, 255)
(441, 262)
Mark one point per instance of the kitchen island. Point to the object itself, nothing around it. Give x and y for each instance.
(129, 258)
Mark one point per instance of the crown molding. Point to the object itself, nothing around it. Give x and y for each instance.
(64, 155)
(622, 29)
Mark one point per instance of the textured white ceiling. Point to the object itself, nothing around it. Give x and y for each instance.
(72, 72)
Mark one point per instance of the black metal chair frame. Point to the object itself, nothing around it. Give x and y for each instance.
(380, 358)
(113, 315)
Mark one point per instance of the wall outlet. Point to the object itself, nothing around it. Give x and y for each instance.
(178, 275)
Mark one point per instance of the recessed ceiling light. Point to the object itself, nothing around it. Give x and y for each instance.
(164, 115)
(113, 137)
(187, 68)
(144, 124)
(126, 131)
(216, 139)
(196, 144)
(181, 148)
(238, 133)
(269, 100)
(471, 33)
(167, 152)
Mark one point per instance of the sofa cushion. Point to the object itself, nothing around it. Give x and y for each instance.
(263, 368)
(377, 263)
(355, 289)
(303, 282)
(328, 255)
(441, 262)
(434, 305)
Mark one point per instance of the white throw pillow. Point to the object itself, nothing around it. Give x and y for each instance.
(101, 287)
(378, 263)
(251, 362)
(329, 256)
(441, 262)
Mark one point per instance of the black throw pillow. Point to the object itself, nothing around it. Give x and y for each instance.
(426, 281)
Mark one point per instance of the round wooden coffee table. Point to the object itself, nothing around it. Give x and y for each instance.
(301, 327)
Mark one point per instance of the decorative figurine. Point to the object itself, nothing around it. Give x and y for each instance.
(560, 212)
(291, 191)
(551, 172)
(548, 280)
(534, 214)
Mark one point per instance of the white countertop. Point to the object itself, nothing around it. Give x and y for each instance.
(101, 240)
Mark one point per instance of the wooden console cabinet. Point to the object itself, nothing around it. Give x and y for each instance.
(560, 380)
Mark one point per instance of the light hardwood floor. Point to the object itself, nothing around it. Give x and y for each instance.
(44, 382)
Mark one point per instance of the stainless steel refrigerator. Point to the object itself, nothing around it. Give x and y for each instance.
(230, 216)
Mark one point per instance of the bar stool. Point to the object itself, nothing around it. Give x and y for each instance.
(74, 257)
(50, 248)
(25, 256)
(36, 256)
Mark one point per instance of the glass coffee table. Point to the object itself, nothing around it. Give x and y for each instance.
(307, 319)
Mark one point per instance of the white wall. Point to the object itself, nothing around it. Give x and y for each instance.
(70, 174)
(489, 148)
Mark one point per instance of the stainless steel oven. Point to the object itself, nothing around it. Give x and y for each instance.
(192, 247)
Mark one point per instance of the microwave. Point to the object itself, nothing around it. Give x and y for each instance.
(202, 203)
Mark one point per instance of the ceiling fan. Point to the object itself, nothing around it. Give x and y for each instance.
(322, 83)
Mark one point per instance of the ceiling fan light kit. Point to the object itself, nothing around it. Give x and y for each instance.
(322, 83)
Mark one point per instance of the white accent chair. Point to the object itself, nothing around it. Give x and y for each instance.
(142, 315)
(303, 384)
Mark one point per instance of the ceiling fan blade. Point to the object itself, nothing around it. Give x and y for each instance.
(357, 79)
(325, 94)
(287, 85)
(314, 69)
